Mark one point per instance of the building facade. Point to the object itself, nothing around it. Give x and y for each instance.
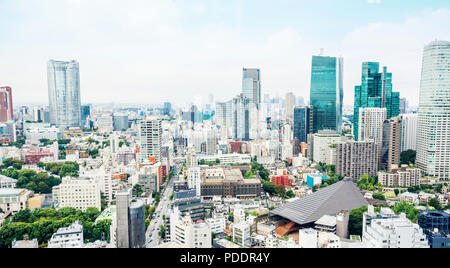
(433, 140)
(303, 123)
(375, 91)
(64, 93)
(327, 92)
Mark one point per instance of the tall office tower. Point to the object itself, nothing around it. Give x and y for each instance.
(224, 117)
(391, 145)
(409, 131)
(85, 112)
(327, 92)
(150, 133)
(290, 103)
(130, 216)
(251, 85)
(241, 118)
(403, 106)
(371, 122)
(64, 93)
(375, 91)
(6, 105)
(303, 123)
(356, 158)
(211, 142)
(433, 135)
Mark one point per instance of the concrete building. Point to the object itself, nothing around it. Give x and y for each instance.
(78, 193)
(387, 230)
(187, 234)
(391, 143)
(7, 182)
(130, 216)
(400, 177)
(371, 124)
(148, 178)
(150, 134)
(242, 234)
(14, 200)
(409, 131)
(354, 159)
(319, 145)
(70, 237)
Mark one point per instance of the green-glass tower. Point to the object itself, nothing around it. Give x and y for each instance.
(375, 91)
(327, 93)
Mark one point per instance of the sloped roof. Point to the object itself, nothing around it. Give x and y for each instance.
(343, 195)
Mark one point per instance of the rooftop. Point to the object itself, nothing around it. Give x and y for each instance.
(343, 195)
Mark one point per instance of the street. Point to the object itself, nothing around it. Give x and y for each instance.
(152, 234)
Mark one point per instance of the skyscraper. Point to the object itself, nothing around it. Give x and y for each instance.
(251, 85)
(150, 133)
(290, 103)
(371, 124)
(375, 91)
(241, 118)
(433, 135)
(64, 93)
(327, 92)
(391, 145)
(409, 132)
(303, 123)
(6, 105)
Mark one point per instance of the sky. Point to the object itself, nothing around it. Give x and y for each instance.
(151, 51)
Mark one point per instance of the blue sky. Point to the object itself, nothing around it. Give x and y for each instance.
(150, 51)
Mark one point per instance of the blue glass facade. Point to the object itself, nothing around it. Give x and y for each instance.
(303, 123)
(327, 93)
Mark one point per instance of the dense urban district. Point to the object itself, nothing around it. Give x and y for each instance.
(256, 171)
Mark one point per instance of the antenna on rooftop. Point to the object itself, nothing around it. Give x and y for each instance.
(321, 52)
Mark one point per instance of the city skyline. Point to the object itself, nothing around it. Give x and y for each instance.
(218, 40)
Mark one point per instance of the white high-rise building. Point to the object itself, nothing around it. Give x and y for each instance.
(409, 131)
(150, 133)
(78, 193)
(64, 93)
(371, 124)
(433, 134)
(194, 179)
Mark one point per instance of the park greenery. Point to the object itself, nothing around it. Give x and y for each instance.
(43, 223)
(369, 183)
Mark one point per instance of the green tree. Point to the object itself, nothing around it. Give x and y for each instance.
(356, 221)
(290, 194)
(137, 190)
(408, 157)
(435, 204)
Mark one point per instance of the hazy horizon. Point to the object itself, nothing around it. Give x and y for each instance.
(182, 51)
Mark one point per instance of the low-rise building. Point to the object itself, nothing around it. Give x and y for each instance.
(70, 237)
(400, 177)
(14, 200)
(7, 182)
(387, 230)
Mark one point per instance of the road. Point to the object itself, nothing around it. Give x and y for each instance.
(152, 233)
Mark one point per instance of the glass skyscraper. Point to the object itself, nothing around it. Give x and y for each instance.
(241, 117)
(64, 93)
(375, 91)
(327, 92)
(303, 123)
(251, 85)
(433, 134)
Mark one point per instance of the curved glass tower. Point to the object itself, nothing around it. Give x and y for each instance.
(433, 134)
(64, 93)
